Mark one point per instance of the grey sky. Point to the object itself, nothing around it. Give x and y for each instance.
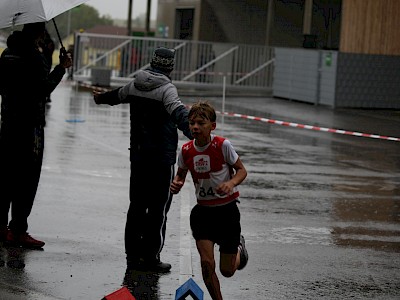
(118, 9)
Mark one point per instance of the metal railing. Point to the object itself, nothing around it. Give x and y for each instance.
(198, 65)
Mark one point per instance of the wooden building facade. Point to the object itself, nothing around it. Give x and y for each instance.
(370, 27)
(361, 35)
(368, 64)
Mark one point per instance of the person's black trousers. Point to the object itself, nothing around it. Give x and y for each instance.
(150, 201)
(21, 156)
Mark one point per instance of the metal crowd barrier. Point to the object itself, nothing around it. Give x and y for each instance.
(113, 60)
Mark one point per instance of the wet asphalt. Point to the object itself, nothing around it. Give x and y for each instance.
(320, 211)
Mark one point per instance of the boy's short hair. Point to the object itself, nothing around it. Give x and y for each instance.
(203, 109)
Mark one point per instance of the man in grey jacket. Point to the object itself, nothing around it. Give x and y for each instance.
(156, 113)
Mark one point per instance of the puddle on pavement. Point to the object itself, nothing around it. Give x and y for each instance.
(142, 285)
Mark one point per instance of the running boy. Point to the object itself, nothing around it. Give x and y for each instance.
(216, 170)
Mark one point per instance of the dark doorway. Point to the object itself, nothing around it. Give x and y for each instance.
(184, 24)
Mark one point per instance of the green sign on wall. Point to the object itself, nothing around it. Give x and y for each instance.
(328, 59)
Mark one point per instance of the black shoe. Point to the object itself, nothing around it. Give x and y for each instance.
(147, 265)
(244, 256)
(156, 266)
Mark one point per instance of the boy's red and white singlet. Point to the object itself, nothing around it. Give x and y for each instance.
(209, 166)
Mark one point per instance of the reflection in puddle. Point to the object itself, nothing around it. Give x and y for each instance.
(385, 210)
(347, 288)
(13, 257)
(301, 235)
(362, 237)
(368, 212)
(142, 285)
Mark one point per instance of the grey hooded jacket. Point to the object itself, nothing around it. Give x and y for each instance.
(156, 114)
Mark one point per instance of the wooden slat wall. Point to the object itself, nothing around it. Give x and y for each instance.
(370, 27)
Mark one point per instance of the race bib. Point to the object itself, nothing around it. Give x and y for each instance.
(202, 163)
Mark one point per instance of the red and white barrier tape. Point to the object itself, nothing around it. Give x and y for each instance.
(311, 127)
(289, 124)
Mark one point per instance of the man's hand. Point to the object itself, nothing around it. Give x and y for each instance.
(65, 58)
(96, 97)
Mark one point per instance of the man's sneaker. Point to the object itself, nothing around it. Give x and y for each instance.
(24, 240)
(147, 265)
(244, 256)
(156, 266)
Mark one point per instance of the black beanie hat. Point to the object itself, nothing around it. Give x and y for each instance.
(163, 59)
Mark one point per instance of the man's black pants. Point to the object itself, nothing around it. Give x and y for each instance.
(150, 201)
(21, 155)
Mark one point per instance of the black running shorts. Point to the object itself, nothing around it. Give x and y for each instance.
(220, 224)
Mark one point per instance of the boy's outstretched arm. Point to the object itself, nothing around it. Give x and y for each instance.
(240, 174)
(178, 181)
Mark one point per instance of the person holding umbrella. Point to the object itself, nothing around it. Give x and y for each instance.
(25, 82)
